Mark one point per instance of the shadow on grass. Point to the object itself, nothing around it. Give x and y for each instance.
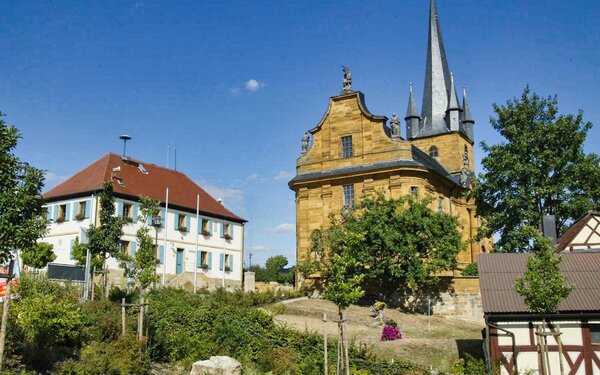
(473, 347)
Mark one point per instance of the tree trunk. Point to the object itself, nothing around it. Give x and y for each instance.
(4, 320)
(141, 317)
(560, 353)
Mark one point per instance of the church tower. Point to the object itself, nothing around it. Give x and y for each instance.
(444, 129)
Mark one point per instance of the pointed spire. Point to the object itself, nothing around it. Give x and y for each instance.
(437, 78)
(467, 118)
(411, 110)
(453, 99)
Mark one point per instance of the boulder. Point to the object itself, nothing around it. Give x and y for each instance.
(217, 365)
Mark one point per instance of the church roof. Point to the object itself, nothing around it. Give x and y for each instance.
(419, 159)
(135, 178)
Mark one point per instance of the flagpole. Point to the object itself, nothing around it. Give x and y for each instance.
(197, 230)
(165, 252)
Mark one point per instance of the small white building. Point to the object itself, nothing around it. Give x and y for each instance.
(511, 338)
(199, 240)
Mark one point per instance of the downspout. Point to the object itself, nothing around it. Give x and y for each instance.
(512, 337)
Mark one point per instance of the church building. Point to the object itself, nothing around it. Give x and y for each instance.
(351, 153)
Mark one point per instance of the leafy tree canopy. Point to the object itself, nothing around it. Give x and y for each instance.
(105, 239)
(142, 266)
(389, 242)
(21, 220)
(39, 255)
(539, 169)
(542, 286)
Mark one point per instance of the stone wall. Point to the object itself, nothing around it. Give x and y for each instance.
(464, 302)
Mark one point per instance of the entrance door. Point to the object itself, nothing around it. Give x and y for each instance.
(179, 263)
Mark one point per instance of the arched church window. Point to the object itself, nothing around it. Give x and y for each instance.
(433, 152)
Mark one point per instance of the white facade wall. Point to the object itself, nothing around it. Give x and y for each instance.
(571, 335)
(62, 236)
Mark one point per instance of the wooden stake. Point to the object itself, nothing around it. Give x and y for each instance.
(560, 352)
(5, 319)
(123, 315)
(325, 358)
(141, 318)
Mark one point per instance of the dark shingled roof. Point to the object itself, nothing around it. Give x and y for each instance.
(419, 159)
(182, 190)
(497, 273)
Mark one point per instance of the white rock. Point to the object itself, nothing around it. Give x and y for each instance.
(217, 365)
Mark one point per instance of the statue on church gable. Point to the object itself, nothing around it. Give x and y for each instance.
(395, 126)
(465, 173)
(305, 140)
(347, 86)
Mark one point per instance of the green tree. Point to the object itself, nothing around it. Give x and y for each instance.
(539, 169)
(39, 255)
(142, 266)
(80, 254)
(394, 242)
(105, 240)
(543, 287)
(21, 219)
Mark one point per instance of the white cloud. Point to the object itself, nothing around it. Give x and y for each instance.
(254, 85)
(235, 90)
(282, 228)
(228, 195)
(255, 177)
(283, 175)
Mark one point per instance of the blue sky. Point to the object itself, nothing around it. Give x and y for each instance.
(234, 85)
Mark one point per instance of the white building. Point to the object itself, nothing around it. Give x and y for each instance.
(208, 248)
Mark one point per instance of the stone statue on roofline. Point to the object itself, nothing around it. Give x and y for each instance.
(395, 126)
(305, 140)
(347, 85)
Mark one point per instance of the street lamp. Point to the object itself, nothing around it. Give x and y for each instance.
(156, 223)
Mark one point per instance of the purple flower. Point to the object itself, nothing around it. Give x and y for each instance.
(390, 333)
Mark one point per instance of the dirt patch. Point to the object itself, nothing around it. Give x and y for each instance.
(437, 343)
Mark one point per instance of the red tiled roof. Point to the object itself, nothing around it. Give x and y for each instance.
(497, 273)
(182, 190)
(574, 230)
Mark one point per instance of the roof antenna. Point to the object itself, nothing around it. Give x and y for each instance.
(175, 161)
(125, 138)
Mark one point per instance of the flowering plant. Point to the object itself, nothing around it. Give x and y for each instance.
(379, 305)
(390, 333)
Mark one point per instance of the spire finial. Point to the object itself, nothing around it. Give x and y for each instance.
(467, 118)
(453, 98)
(437, 79)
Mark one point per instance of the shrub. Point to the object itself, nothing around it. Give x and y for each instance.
(470, 270)
(126, 355)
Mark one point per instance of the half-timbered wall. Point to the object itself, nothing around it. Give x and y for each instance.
(580, 352)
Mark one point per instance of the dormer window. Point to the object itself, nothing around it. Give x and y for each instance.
(433, 151)
(347, 146)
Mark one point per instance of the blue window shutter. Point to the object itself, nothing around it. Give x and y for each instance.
(49, 213)
(176, 223)
(198, 259)
(135, 212)
(132, 246)
(199, 225)
(210, 228)
(221, 262)
(120, 209)
(55, 212)
(162, 217)
(222, 230)
(88, 208)
(187, 223)
(75, 207)
(161, 254)
(68, 212)
(231, 263)
(210, 260)
(149, 220)
(71, 248)
(232, 230)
